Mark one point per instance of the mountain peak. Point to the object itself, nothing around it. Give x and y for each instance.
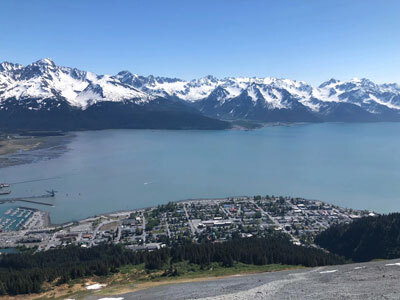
(7, 66)
(124, 72)
(45, 62)
(210, 78)
(329, 82)
(126, 76)
(364, 82)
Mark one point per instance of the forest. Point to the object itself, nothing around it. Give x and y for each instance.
(364, 239)
(24, 273)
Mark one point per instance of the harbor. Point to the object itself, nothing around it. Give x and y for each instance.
(27, 199)
(18, 218)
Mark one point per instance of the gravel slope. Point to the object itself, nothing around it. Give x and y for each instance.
(374, 280)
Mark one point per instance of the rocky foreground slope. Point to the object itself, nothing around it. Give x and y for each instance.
(373, 280)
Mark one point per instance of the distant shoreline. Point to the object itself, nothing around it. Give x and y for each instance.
(20, 149)
(14, 146)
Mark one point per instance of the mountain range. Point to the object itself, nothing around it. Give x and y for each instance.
(43, 96)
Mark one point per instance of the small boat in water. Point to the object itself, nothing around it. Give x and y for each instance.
(4, 185)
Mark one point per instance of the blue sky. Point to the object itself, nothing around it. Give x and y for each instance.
(311, 40)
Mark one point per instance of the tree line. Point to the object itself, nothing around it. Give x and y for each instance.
(25, 273)
(364, 239)
(258, 251)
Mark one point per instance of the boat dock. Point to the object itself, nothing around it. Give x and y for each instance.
(29, 199)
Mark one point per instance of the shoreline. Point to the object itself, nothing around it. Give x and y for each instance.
(126, 211)
(24, 149)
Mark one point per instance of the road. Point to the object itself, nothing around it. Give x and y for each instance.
(119, 231)
(189, 221)
(264, 213)
(144, 230)
(374, 280)
(167, 226)
(97, 230)
(52, 242)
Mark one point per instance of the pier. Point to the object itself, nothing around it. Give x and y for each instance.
(29, 199)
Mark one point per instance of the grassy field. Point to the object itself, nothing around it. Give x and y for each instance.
(132, 278)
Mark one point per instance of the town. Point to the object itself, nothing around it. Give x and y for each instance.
(196, 220)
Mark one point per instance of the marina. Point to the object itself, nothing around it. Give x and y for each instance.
(15, 218)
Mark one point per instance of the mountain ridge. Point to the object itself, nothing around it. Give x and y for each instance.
(42, 85)
(43, 96)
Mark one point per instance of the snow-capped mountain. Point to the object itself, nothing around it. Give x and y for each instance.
(85, 100)
(42, 95)
(271, 99)
(43, 80)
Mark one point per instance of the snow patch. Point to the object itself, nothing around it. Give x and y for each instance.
(394, 264)
(95, 286)
(388, 104)
(328, 272)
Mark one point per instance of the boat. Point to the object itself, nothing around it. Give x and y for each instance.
(5, 192)
(51, 193)
(4, 185)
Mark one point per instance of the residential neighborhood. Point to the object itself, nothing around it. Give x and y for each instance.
(197, 220)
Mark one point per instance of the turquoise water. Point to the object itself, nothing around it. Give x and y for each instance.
(352, 165)
(8, 250)
(14, 218)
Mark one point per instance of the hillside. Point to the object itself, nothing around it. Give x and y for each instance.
(29, 273)
(373, 280)
(364, 239)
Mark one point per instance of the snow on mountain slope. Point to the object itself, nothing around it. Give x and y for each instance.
(232, 97)
(44, 80)
(363, 93)
(171, 87)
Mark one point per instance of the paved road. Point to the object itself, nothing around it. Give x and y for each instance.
(265, 213)
(189, 221)
(167, 226)
(376, 280)
(144, 230)
(91, 243)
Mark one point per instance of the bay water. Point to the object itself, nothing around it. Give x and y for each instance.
(351, 165)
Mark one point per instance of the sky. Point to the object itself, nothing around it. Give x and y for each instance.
(310, 40)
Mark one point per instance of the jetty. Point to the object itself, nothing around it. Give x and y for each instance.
(30, 199)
